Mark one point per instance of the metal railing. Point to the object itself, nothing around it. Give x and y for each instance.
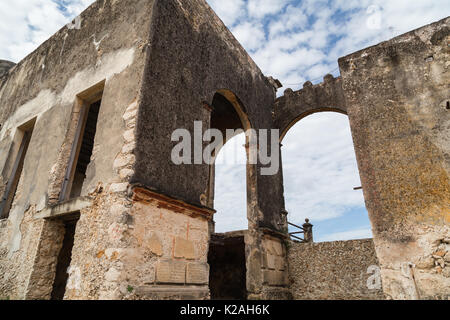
(305, 229)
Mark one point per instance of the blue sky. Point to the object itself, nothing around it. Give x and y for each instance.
(294, 41)
(320, 172)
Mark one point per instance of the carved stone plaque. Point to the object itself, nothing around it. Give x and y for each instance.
(171, 271)
(197, 273)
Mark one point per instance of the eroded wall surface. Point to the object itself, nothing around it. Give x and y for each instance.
(397, 94)
(145, 234)
(193, 56)
(341, 270)
(106, 43)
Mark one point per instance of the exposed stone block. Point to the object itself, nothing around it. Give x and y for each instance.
(129, 135)
(130, 114)
(171, 271)
(280, 263)
(271, 264)
(274, 247)
(275, 278)
(118, 187)
(132, 106)
(197, 273)
(155, 245)
(126, 173)
(124, 160)
(112, 275)
(128, 147)
(184, 249)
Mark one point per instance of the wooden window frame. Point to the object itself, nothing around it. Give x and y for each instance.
(83, 103)
(26, 132)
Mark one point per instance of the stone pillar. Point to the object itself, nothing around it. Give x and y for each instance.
(396, 96)
(267, 272)
(308, 229)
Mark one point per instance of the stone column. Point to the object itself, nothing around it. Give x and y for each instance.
(396, 96)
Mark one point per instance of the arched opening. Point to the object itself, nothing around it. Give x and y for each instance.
(228, 196)
(230, 187)
(321, 178)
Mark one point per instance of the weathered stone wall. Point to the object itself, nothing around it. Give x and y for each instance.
(333, 270)
(160, 62)
(274, 268)
(167, 255)
(193, 56)
(397, 94)
(5, 66)
(40, 283)
(108, 44)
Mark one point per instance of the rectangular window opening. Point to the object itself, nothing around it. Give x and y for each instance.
(64, 258)
(83, 146)
(7, 199)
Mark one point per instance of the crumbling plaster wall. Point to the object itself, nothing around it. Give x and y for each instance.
(396, 94)
(108, 42)
(193, 56)
(338, 270)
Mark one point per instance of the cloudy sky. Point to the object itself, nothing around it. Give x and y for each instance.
(294, 41)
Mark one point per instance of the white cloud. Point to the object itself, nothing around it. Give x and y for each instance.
(231, 187)
(356, 234)
(292, 18)
(330, 29)
(251, 35)
(25, 24)
(229, 11)
(319, 168)
(261, 8)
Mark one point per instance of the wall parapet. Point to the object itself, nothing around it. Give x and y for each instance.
(295, 105)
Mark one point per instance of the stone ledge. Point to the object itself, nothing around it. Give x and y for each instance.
(171, 292)
(64, 209)
(141, 194)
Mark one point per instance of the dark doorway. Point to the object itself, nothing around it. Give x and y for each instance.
(226, 258)
(64, 259)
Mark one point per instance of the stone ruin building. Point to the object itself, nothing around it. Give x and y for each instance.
(93, 208)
